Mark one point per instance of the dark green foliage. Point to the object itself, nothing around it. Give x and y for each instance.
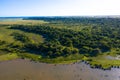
(51, 50)
(20, 37)
(91, 41)
(95, 52)
(2, 42)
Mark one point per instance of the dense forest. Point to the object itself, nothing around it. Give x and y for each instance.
(100, 38)
(73, 38)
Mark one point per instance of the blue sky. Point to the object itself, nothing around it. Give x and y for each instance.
(59, 7)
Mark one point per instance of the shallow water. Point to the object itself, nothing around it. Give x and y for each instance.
(26, 70)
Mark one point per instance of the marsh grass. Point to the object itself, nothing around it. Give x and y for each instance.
(9, 56)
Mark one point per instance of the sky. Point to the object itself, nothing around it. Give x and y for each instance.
(59, 7)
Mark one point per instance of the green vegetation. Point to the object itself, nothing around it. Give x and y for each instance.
(8, 56)
(12, 42)
(19, 21)
(64, 40)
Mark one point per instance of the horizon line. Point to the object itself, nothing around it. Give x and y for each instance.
(67, 16)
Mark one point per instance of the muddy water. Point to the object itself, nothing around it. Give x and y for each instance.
(27, 70)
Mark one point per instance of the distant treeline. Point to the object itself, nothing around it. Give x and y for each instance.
(84, 20)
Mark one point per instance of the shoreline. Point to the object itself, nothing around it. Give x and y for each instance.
(68, 63)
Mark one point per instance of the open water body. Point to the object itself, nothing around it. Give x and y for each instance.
(28, 70)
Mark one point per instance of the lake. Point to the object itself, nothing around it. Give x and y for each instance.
(29, 70)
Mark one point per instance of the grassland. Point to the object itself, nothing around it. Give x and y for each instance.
(105, 60)
(19, 21)
(9, 56)
(5, 35)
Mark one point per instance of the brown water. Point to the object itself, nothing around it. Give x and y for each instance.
(26, 70)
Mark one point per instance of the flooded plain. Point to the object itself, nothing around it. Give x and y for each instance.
(28, 70)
